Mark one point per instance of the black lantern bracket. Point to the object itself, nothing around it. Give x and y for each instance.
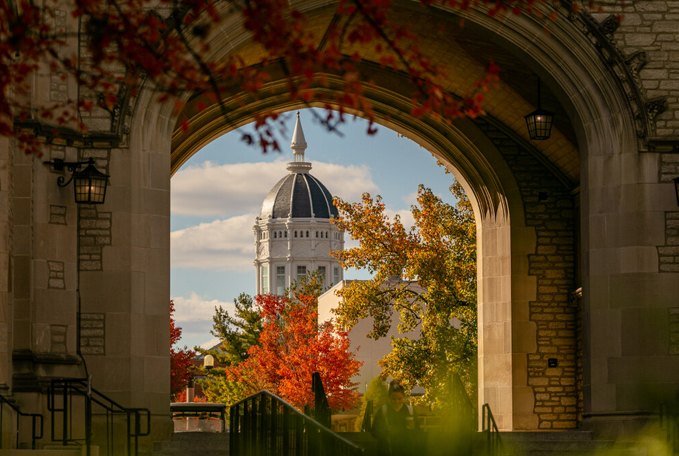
(676, 188)
(59, 165)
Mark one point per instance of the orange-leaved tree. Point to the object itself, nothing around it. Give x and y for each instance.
(181, 367)
(292, 346)
(112, 49)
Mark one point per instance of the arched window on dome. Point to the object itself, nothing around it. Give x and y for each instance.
(275, 235)
(286, 234)
(295, 233)
(307, 234)
(316, 233)
(326, 235)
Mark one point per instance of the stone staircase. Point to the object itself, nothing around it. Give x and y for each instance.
(193, 444)
(567, 443)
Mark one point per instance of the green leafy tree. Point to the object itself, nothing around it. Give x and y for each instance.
(237, 333)
(426, 275)
(376, 392)
(311, 284)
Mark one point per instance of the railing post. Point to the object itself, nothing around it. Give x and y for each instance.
(299, 435)
(233, 428)
(88, 424)
(273, 426)
(65, 414)
(129, 441)
(253, 428)
(32, 432)
(137, 431)
(286, 429)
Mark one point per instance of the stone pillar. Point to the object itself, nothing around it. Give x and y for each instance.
(124, 282)
(6, 213)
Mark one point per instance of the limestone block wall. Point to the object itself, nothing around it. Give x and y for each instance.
(668, 254)
(653, 27)
(552, 369)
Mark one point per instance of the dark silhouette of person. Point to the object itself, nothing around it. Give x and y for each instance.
(395, 426)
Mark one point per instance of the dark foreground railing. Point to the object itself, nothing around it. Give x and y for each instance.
(73, 404)
(489, 428)
(265, 425)
(36, 422)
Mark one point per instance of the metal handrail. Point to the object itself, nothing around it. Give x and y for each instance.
(34, 419)
(322, 412)
(263, 424)
(70, 387)
(489, 427)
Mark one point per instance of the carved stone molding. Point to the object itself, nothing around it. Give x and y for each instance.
(608, 26)
(655, 106)
(626, 68)
(635, 62)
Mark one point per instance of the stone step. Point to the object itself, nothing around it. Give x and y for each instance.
(193, 444)
(200, 436)
(544, 435)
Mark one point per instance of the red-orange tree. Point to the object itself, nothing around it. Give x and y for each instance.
(180, 359)
(293, 345)
(168, 42)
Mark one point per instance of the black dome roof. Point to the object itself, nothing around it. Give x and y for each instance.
(298, 195)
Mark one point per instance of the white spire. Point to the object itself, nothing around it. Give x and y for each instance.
(298, 146)
(298, 143)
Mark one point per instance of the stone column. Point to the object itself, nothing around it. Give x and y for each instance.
(6, 213)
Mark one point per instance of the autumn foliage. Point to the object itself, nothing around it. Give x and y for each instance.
(293, 345)
(426, 277)
(166, 45)
(181, 366)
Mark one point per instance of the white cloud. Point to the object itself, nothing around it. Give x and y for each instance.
(223, 244)
(197, 308)
(194, 316)
(406, 216)
(226, 190)
(410, 199)
(210, 343)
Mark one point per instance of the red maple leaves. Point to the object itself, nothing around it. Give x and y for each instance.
(167, 45)
(181, 367)
(293, 347)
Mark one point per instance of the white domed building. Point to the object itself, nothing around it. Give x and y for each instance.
(293, 233)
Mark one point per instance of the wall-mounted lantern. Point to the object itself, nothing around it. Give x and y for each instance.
(676, 188)
(539, 122)
(89, 185)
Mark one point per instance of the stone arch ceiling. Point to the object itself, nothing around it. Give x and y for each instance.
(466, 55)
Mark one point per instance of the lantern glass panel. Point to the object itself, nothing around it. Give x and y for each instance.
(90, 189)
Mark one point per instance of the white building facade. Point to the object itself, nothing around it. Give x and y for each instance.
(293, 233)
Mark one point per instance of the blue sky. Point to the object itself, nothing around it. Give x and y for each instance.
(218, 192)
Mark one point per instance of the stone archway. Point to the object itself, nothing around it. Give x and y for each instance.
(588, 185)
(526, 265)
